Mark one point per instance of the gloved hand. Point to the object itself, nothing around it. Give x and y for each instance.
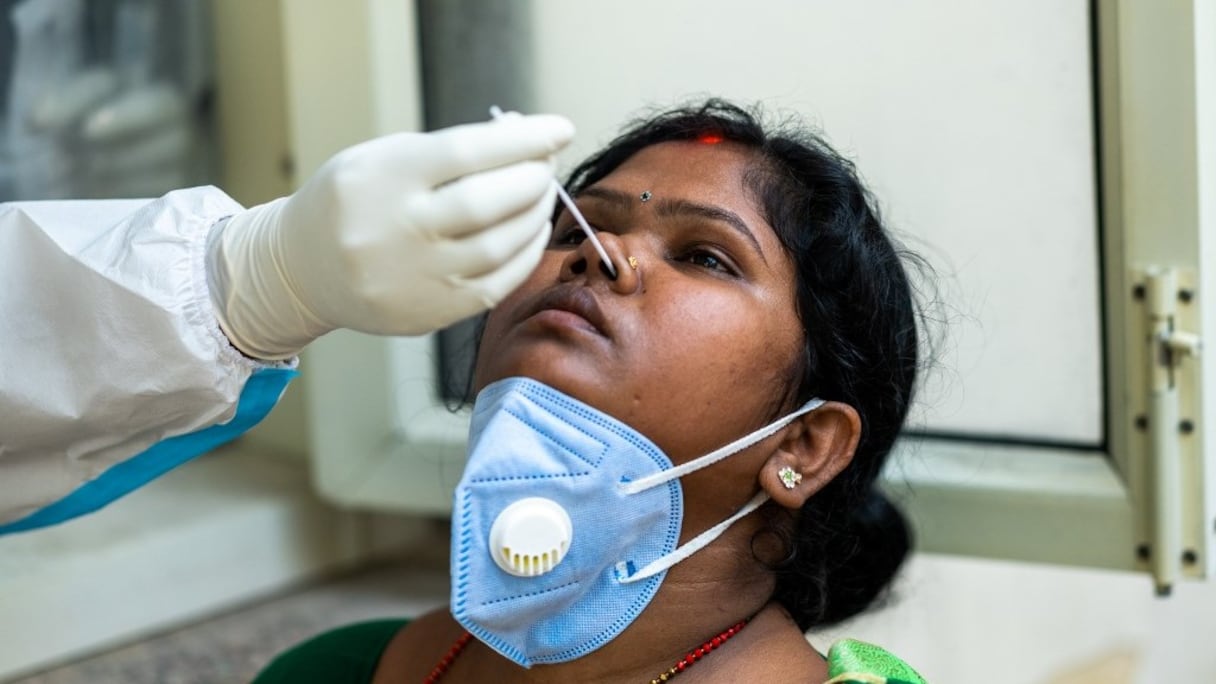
(400, 235)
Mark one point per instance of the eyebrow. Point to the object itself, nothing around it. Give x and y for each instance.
(680, 207)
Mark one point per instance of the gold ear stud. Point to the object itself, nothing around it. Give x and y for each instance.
(789, 477)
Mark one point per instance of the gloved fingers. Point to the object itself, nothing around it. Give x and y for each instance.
(492, 287)
(461, 150)
(473, 203)
(489, 250)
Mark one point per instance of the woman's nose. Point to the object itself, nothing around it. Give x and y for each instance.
(585, 261)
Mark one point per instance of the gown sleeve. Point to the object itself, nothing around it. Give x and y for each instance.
(113, 369)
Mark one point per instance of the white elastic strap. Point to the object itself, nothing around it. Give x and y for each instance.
(692, 546)
(644, 483)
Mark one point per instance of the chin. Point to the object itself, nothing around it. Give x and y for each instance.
(567, 373)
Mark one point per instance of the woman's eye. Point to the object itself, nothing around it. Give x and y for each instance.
(570, 236)
(708, 260)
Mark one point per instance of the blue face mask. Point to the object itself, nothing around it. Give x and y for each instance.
(565, 522)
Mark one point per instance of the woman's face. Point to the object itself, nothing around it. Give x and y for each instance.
(695, 347)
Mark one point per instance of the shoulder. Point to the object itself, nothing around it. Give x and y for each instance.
(347, 655)
(856, 662)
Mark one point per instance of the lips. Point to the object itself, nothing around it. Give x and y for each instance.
(577, 300)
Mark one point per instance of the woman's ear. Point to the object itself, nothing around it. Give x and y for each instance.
(815, 448)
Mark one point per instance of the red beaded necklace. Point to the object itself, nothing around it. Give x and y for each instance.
(682, 664)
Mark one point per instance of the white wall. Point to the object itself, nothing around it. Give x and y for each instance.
(961, 620)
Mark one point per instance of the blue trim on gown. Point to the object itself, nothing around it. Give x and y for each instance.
(259, 395)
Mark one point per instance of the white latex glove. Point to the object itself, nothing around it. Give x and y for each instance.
(400, 235)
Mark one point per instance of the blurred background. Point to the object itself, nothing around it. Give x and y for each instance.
(105, 99)
(1049, 158)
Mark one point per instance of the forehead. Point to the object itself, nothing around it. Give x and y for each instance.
(715, 170)
(707, 173)
(714, 174)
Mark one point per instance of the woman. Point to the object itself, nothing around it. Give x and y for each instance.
(756, 288)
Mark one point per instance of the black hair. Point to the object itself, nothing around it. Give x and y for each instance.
(858, 312)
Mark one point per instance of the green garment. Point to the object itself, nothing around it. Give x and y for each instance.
(349, 655)
(856, 662)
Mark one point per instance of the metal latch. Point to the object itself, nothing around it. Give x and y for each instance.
(1169, 347)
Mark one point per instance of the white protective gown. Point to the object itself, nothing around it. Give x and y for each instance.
(109, 347)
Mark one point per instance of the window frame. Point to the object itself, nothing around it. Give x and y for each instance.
(1098, 508)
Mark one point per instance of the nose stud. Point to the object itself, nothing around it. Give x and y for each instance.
(633, 262)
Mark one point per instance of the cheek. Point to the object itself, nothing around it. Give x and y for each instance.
(732, 336)
(719, 370)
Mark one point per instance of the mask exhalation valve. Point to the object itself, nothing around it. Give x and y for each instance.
(530, 537)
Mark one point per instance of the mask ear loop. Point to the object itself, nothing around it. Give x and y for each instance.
(644, 483)
(623, 574)
(690, 547)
